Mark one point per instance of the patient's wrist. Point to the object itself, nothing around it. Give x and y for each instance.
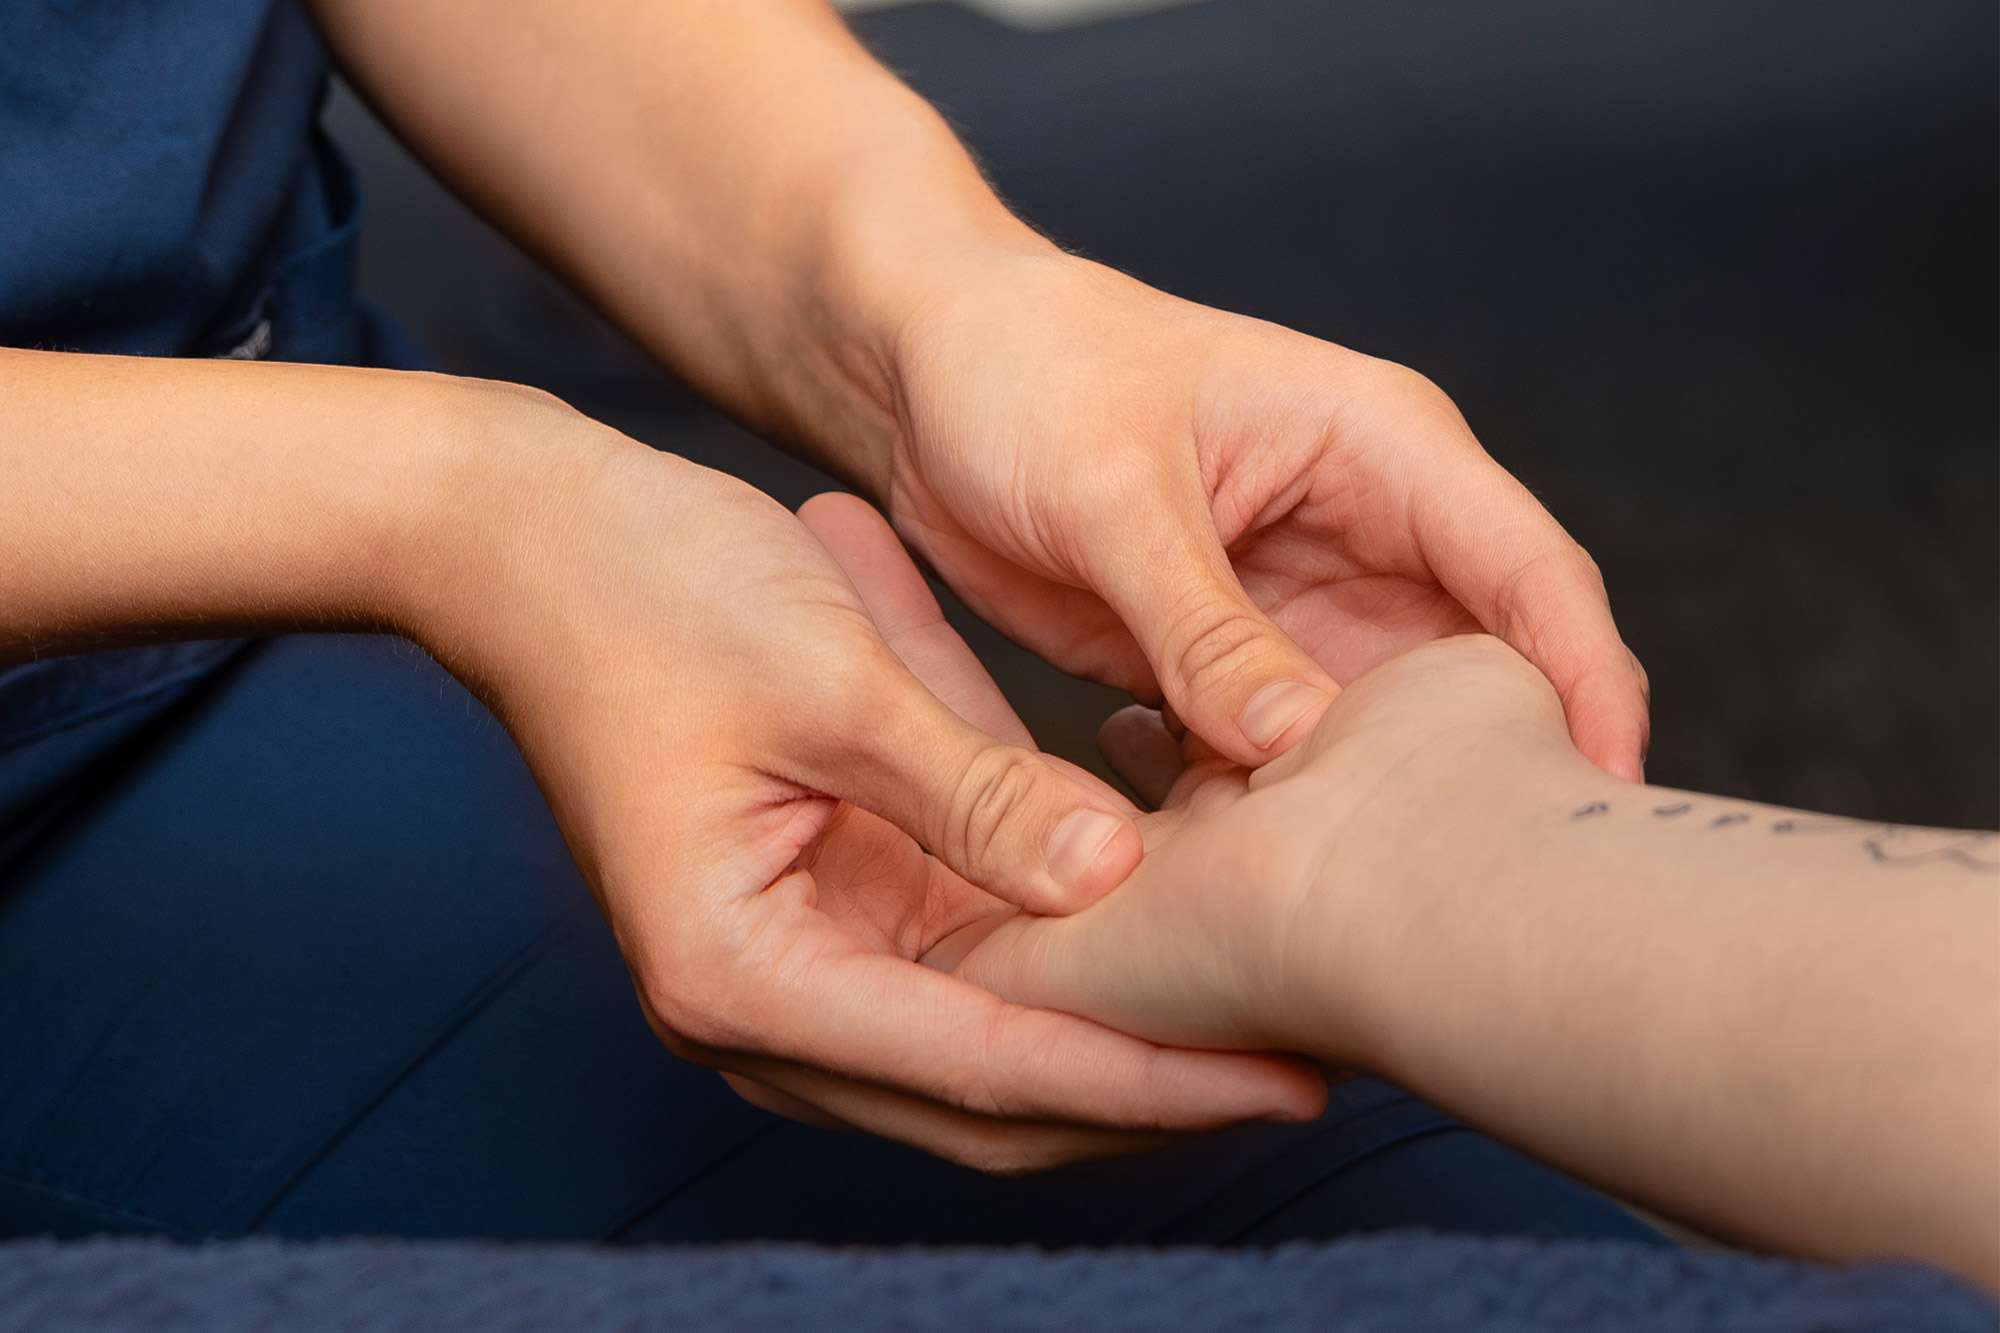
(1386, 911)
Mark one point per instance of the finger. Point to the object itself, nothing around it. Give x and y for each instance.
(913, 625)
(1008, 819)
(1506, 559)
(1001, 1147)
(1194, 749)
(1231, 675)
(904, 1026)
(900, 603)
(1136, 744)
(766, 1097)
(1062, 622)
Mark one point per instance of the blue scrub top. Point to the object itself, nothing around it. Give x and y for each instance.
(165, 190)
(163, 185)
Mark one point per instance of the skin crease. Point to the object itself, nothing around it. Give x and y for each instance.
(1194, 504)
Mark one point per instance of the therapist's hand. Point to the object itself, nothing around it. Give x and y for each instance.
(1267, 906)
(1201, 506)
(750, 777)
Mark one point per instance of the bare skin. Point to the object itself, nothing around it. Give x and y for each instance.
(1228, 516)
(1185, 502)
(1781, 1027)
(691, 678)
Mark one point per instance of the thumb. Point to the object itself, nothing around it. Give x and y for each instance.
(1234, 678)
(1003, 816)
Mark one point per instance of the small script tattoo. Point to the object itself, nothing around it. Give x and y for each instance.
(1893, 845)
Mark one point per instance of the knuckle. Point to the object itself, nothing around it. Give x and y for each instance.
(1520, 603)
(997, 788)
(1211, 643)
(1417, 398)
(1393, 377)
(1539, 597)
(844, 685)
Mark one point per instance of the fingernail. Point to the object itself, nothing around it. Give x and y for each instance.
(1074, 846)
(1274, 708)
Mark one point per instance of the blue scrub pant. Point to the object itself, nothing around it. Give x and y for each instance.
(303, 955)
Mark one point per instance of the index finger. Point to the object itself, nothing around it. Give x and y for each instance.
(1493, 546)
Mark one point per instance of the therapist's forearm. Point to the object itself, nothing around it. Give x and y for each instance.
(153, 498)
(741, 186)
(1783, 1027)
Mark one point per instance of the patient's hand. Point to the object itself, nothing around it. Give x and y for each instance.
(1197, 947)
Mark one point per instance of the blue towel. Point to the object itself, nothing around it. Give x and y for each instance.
(1401, 1282)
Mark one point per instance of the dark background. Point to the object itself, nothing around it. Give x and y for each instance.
(1717, 280)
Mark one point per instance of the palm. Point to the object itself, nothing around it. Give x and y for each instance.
(877, 891)
(1344, 580)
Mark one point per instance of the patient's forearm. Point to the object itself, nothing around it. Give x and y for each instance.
(1782, 1027)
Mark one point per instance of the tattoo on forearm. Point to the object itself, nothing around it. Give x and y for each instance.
(1885, 844)
(1895, 846)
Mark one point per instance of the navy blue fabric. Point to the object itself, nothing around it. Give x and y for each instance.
(1413, 1284)
(158, 165)
(164, 191)
(308, 958)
